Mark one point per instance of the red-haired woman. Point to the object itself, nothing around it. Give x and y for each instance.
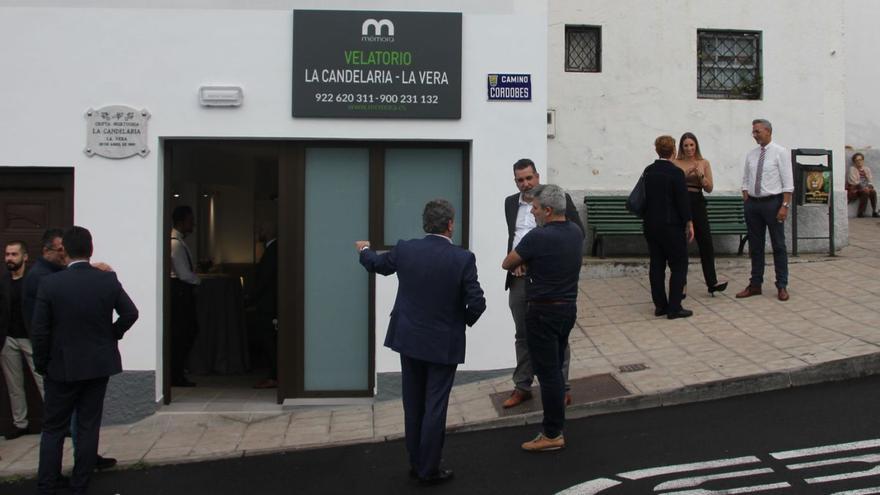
(698, 175)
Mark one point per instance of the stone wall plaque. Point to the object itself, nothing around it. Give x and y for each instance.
(116, 131)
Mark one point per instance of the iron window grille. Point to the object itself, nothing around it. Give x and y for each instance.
(583, 49)
(729, 64)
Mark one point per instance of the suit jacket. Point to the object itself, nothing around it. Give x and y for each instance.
(265, 294)
(437, 296)
(5, 309)
(72, 331)
(666, 196)
(32, 280)
(511, 208)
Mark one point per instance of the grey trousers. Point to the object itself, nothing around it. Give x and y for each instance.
(14, 352)
(523, 375)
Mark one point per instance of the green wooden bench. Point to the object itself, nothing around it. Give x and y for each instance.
(608, 216)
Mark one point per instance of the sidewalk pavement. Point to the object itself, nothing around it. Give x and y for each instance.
(827, 331)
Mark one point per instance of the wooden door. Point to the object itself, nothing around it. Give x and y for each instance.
(31, 200)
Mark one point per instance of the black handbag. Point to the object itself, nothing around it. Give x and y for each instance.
(637, 203)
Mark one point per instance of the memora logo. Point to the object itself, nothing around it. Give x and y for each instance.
(381, 31)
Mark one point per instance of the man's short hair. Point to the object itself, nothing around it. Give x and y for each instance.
(180, 213)
(436, 217)
(77, 242)
(764, 122)
(524, 163)
(550, 196)
(665, 146)
(49, 237)
(857, 154)
(20, 244)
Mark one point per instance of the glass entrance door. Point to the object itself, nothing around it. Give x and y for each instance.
(336, 306)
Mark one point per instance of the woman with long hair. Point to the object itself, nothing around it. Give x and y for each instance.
(698, 175)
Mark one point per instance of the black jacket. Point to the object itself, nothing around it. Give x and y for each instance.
(5, 308)
(666, 196)
(32, 280)
(72, 331)
(511, 208)
(265, 294)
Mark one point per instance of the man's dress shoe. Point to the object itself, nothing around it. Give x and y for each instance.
(659, 311)
(783, 294)
(681, 313)
(748, 292)
(441, 476)
(102, 463)
(516, 398)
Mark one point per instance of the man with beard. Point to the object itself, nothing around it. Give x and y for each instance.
(18, 349)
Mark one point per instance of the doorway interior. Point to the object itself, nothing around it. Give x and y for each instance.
(323, 196)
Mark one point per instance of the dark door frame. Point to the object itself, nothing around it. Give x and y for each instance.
(291, 232)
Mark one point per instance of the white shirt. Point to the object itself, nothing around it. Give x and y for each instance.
(182, 264)
(525, 221)
(776, 177)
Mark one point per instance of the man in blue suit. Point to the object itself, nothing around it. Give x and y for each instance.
(437, 295)
(75, 349)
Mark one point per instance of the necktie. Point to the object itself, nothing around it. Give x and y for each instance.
(759, 172)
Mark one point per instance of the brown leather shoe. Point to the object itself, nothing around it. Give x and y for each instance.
(516, 398)
(267, 383)
(567, 399)
(749, 292)
(783, 294)
(542, 443)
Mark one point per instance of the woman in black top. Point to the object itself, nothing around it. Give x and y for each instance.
(698, 175)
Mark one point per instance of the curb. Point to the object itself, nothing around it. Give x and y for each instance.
(830, 371)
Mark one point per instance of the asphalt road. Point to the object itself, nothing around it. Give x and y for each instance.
(753, 441)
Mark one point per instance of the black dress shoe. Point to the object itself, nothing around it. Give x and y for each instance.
(182, 383)
(102, 463)
(717, 288)
(681, 313)
(441, 476)
(17, 432)
(62, 481)
(659, 311)
(875, 214)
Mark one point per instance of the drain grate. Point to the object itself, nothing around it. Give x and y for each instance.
(631, 368)
(583, 390)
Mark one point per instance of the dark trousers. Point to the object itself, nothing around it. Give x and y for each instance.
(426, 388)
(864, 195)
(703, 236)
(523, 375)
(667, 245)
(184, 326)
(761, 217)
(548, 328)
(268, 341)
(86, 398)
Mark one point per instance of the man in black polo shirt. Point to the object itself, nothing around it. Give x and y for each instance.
(553, 253)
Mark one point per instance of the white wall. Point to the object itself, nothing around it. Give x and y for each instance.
(607, 122)
(862, 74)
(59, 61)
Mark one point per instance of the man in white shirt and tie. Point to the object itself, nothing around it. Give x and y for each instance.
(520, 220)
(184, 280)
(766, 189)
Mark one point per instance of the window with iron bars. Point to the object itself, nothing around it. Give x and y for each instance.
(583, 49)
(729, 64)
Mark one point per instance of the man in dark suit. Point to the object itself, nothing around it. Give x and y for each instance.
(437, 296)
(520, 220)
(668, 229)
(265, 300)
(75, 349)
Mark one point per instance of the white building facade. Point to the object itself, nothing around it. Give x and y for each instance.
(257, 160)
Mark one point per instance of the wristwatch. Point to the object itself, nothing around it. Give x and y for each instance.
(786, 205)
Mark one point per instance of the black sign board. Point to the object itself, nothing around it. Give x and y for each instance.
(376, 64)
